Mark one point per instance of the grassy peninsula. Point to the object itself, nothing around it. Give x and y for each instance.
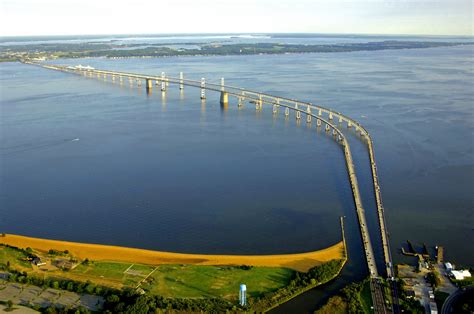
(129, 279)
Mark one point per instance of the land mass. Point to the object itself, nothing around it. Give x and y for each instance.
(44, 51)
(127, 278)
(299, 261)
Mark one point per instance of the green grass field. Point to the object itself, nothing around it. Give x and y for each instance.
(14, 257)
(128, 274)
(191, 281)
(366, 297)
(179, 281)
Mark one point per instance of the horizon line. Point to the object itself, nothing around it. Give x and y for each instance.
(239, 33)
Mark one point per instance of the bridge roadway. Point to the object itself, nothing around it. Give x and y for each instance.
(299, 107)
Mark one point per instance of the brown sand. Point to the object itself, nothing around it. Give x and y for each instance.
(97, 252)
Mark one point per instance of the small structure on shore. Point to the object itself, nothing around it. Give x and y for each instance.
(37, 261)
(460, 274)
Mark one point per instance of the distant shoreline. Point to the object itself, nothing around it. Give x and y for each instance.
(46, 51)
(298, 261)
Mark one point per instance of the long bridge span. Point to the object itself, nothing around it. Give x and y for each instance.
(324, 117)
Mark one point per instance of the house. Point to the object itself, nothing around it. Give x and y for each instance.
(37, 261)
(460, 274)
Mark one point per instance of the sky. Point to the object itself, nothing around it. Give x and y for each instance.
(81, 17)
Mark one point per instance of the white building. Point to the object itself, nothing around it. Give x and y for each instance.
(460, 274)
(448, 266)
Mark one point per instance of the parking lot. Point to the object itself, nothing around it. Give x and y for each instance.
(46, 297)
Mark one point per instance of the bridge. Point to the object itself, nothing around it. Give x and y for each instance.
(325, 118)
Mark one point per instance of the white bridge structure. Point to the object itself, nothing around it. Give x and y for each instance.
(332, 122)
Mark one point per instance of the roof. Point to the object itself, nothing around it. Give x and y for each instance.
(460, 274)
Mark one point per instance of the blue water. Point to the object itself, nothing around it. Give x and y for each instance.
(175, 174)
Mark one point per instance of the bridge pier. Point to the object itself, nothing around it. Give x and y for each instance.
(163, 83)
(327, 127)
(319, 112)
(224, 98)
(203, 88)
(330, 116)
(318, 122)
(308, 114)
(340, 119)
(297, 112)
(181, 80)
(349, 124)
(149, 84)
(240, 101)
(287, 112)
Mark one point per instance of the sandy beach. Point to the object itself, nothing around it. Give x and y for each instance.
(299, 261)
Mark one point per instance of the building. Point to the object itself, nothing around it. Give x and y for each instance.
(37, 261)
(448, 266)
(460, 274)
(243, 295)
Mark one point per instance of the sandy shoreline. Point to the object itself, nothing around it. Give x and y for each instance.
(98, 252)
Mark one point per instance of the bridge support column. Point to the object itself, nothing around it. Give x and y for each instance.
(149, 84)
(318, 122)
(203, 88)
(139, 82)
(340, 119)
(275, 109)
(181, 78)
(163, 83)
(327, 127)
(222, 84)
(287, 112)
(319, 112)
(349, 124)
(334, 132)
(240, 101)
(224, 98)
(298, 112)
(308, 114)
(339, 138)
(330, 116)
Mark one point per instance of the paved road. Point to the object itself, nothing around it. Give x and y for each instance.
(378, 299)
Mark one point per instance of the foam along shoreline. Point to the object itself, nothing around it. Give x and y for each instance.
(98, 252)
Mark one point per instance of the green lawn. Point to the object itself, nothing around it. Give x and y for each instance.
(13, 256)
(180, 281)
(191, 281)
(366, 297)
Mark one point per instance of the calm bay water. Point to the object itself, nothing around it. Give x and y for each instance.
(178, 175)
